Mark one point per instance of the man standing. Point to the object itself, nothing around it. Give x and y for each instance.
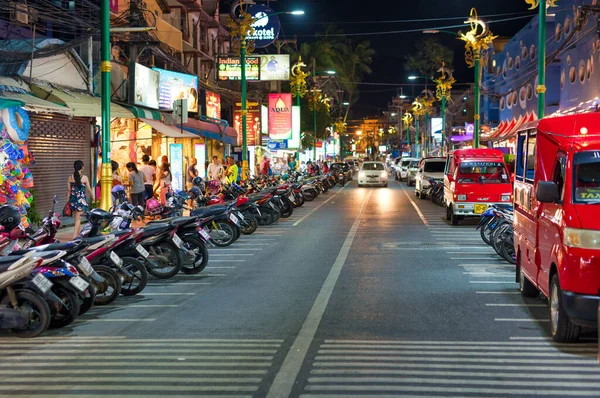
(293, 164)
(150, 176)
(192, 172)
(265, 166)
(232, 170)
(215, 170)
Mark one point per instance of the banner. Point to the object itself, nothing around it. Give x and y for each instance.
(146, 87)
(176, 158)
(252, 122)
(274, 67)
(280, 116)
(229, 68)
(175, 86)
(213, 105)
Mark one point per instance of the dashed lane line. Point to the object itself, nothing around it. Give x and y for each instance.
(319, 206)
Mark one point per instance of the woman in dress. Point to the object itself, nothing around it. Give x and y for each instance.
(136, 182)
(77, 187)
(165, 182)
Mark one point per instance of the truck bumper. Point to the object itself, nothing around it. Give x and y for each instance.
(468, 208)
(581, 308)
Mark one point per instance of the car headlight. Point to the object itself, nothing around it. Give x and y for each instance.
(384, 174)
(506, 198)
(582, 238)
(362, 174)
(461, 197)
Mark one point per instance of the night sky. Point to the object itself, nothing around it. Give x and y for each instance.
(350, 15)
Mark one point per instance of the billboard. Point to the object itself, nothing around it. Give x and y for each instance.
(176, 158)
(266, 25)
(146, 87)
(213, 105)
(436, 128)
(274, 67)
(229, 68)
(465, 134)
(252, 122)
(280, 116)
(174, 86)
(294, 142)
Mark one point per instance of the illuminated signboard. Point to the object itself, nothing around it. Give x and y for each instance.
(275, 67)
(252, 122)
(213, 105)
(266, 25)
(146, 87)
(174, 86)
(229, 68)
(280, 116)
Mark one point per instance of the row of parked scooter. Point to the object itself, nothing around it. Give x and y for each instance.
(45, 283)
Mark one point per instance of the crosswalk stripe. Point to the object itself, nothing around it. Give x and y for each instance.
(524, 375)
(419, 358)
(127, 387)
(147, 357)
(461, 366)
(150, 350)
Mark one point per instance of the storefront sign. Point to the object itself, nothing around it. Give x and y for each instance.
(266, 27)
(200, 155)
(146, 87)
(275, 67)
(280, 116)
(229, 68)
(174, 86)
(176, 157)
(252, 122)
(275, 145)
(213, 105)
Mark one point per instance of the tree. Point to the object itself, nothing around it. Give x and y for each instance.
(429, 57)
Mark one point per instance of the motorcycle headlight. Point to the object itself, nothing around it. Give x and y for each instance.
(506, 198)
(582, 238)
(462, 197)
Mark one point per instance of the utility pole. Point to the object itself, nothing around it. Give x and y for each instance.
(105, 67)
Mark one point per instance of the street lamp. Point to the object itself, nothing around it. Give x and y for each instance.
(443, 89)
(330, 72)
(296, 12)
(477, 41)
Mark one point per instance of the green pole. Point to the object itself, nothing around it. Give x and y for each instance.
(443, 124)
(417, 136)
(477, 106)
(427, 136)
(315, 132)
(541, 88)
(333, 130)
(105, 66)
(244, 110)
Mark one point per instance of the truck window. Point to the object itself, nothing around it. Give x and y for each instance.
(586, 175)
(473, 172)
(530, 172)
(434, 166)
(521, 153)
(559, 174)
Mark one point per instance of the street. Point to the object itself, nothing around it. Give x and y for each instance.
(362, 292)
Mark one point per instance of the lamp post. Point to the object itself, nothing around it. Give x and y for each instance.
(443, 90)
(407, 120)
(541, 88)
(418, 111)
(240, 28)
(105, 66)
(477, 42)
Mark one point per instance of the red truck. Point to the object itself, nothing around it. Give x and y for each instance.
(473, 180)
(557, 219)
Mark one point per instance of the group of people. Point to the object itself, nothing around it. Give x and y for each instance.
(224, 174)
(278, 168)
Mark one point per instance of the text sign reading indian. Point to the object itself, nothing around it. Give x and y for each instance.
(230, 68)
(280, 116)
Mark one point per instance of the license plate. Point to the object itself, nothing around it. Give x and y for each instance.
(86, 267)
(118, 261)
(140, 249)
(292, 198)
(240, 215)
(272, 205)
(79, 283)
(478, 209)
(233, 218)
(42, 283)
(178, 242)
(205, 235)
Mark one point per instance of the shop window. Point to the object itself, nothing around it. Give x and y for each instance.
(524, 53)
(589, 69)
(510, 63)
(572, 75)
(568, 25)
(502, 103)
(529, 91)
(581, 71)
(517, 62)
(532, 52)
(558, 32)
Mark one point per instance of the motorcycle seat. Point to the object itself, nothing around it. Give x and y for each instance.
(156, 229)
(6, 262)
(209, 211)
(94, 240)
(179, 221)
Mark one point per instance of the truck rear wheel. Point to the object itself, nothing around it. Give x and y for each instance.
(453, 217)
(563, 330)
(526, 288)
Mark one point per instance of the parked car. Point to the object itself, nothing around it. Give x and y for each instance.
(411, 172)
(475, 179)
(402, 169)
(557, 228)
(429, 169)
(373, 173)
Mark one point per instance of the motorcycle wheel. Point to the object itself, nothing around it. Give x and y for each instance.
(301, 200)
(69, 310)
(267, 218)
(309, 195)
(139, 276)
(200, 256)
(88, 302)
(251, 224)
(223, 235)
(288, 210)
(160, 252)
(486, 232)
(112, 288)
(38, 310)
(507, 249)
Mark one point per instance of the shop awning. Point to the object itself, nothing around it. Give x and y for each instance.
(169, 131)
(213, 131)
(142, 113)
(13, 90)
(4, 103)
(82, 104)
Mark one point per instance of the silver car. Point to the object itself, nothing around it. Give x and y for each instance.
(413, 166)
(373, 173)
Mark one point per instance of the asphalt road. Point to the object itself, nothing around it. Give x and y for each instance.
(363, 292)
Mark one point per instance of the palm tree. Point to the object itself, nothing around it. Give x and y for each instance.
(356, 59)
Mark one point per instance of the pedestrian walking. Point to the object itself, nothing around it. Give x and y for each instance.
(116, 176)
(265, 165)
(164, 181)
(149, 173)
(77, 187)
(215, 170)
(232, 170)
(137, 184)
(293, 164)
(192, 172)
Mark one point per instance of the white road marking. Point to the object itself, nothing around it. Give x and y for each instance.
(497, 292)
(529, 338)
(128, 387)
(426, 372)
(525, 369)
(220, 267)
(286, 377)
(515, 305)
(175, 284)
(166, 294)
(493, 282)
(230, 249)
(230, 255)
(492, 274)
(421, 216)
(486, 265)
(318, 207)
(479, 258)
(520, 320)
(141, 306)
(113, 320)
(219, 260)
